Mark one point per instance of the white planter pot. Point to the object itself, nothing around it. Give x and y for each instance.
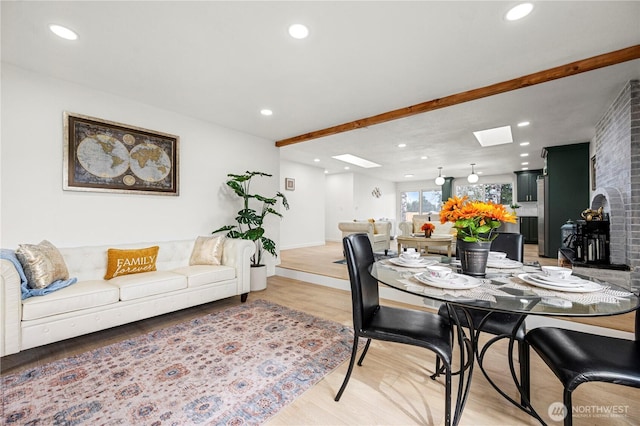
(258, 277)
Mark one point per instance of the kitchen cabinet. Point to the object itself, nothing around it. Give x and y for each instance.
(529, 229)
(527, 189)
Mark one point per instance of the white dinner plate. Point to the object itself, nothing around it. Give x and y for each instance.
(586, 287)
(420, 263)
(570, 281)
(503, 263)
(455, 282)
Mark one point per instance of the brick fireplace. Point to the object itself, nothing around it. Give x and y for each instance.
(617, 150)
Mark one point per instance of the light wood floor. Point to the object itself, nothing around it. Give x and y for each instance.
(390, 388)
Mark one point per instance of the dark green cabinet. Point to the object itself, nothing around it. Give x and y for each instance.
(526, 182)
(529, 229)
(566, 190)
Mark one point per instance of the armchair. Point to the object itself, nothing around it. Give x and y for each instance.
(379, 233)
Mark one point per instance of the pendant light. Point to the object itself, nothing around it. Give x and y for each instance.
(473, 177)
(439, 179)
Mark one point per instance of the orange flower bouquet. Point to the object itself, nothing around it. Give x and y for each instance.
(428, 227)
(475, 220)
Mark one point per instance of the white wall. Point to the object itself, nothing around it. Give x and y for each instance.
(349, 197)
(34, 206)
(303, 224)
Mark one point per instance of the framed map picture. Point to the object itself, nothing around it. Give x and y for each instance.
(101, 155)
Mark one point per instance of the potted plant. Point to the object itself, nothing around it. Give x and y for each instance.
(250, 223)
(475, 222)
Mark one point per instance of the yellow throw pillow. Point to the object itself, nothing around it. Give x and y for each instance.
(207, 251)
(125, 262)
(42, 264)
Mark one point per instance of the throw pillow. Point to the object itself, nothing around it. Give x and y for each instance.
(42, 264)
(125, 262)
(207, 251)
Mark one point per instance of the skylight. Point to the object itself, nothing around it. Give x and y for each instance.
(497, 136)
(352, 159)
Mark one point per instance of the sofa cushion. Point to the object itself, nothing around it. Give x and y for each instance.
(198, 275)
(145, 284)
(81, 295)
(207, 251)
(42, 264)
(124, 262)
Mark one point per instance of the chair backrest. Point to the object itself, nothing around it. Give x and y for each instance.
(510, 243)
(365, 298)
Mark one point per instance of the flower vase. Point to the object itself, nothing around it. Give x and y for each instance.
(427, 233)
(473, 256)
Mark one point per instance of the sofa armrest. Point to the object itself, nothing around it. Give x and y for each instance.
(11, 309)
(355, 227)
(237, 253)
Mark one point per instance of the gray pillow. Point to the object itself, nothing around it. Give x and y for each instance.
(42, 264)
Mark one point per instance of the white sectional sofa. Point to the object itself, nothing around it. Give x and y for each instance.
(93, 303)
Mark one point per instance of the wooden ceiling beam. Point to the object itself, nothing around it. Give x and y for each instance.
(562, 71)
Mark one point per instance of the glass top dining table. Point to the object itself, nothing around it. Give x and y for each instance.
(509, 289)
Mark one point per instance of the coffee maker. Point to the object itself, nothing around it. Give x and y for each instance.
(592, 241)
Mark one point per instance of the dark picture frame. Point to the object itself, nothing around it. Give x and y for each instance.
(289, 184)
(105, 156)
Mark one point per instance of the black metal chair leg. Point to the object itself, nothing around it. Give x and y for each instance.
(525, 381)
(447, 397)
(354, 352)
(364, 351)
(566, 399)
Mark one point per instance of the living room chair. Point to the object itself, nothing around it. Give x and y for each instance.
(576, 357)
(372, 321)
(378, 232)
(501, 323)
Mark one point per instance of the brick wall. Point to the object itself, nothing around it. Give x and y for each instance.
(617, 143)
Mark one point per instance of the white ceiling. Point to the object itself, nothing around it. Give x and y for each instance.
(224, 61)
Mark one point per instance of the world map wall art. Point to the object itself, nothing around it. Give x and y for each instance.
(101, 155)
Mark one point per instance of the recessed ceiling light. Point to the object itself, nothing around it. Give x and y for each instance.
(352, 159)
(266, 112)
(326, 171)
(524, 143)
(424, 157)
(63, 32)
(524, 154)
(519, 11)
(402, 145)
(408, 176)
(524, 163)
(523, 124)
(525, 168)
(316, 160)
(496, 136)
(298, 31)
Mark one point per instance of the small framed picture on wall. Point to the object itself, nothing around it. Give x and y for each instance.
(593, 173)
(289, 184)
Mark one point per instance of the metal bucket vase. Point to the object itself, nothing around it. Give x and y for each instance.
(473, 256)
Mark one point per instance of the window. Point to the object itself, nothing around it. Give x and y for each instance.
(419, 202)
(499, 193)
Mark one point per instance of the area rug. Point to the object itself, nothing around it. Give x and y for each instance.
(233, 367)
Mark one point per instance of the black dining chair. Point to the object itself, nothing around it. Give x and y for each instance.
(372, 321)
(577, 357)
(501, 323)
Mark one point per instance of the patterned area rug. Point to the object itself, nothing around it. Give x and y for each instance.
(234, 367)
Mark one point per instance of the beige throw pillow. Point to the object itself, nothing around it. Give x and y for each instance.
(207, 251)
(42, 264)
